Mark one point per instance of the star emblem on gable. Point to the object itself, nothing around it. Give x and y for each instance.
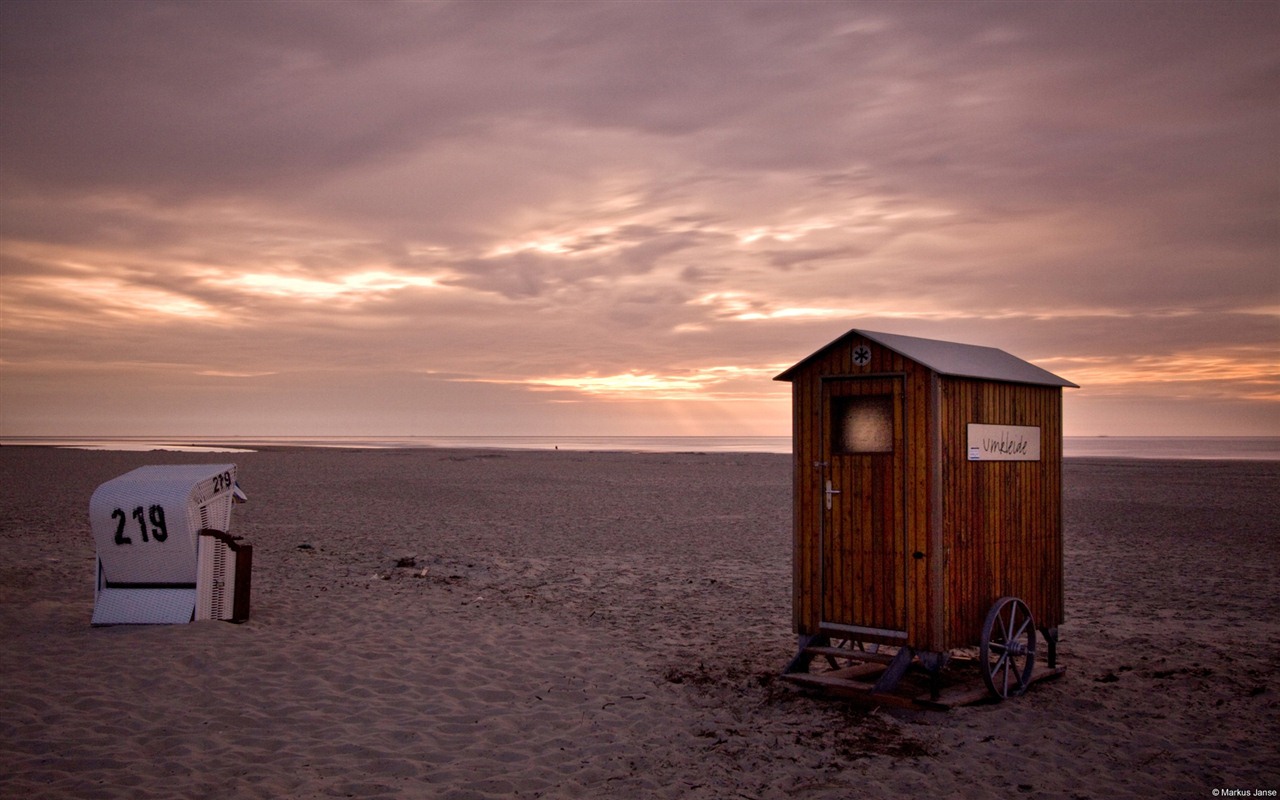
(861, 355)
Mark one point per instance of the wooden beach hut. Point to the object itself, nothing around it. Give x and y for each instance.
(927, 513)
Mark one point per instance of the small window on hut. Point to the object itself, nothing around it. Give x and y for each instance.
(862, 424)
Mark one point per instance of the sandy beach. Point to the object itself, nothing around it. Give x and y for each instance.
(485, 624)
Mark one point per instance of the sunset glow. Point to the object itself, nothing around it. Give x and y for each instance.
(702, 384)
(609, 218)
(352, 286)
(1252, 375)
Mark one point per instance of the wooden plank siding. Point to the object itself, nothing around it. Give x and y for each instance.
(916, 537)
(1002, 522)
(983, 529)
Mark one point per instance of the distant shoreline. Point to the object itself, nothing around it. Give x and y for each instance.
(1176, 448)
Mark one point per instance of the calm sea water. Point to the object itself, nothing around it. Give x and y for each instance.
(1265, 448)
(1231, 448)
(231, 444)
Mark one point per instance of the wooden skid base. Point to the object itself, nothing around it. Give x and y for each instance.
(960, 687)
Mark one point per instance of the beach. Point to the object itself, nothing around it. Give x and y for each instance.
(487, 623)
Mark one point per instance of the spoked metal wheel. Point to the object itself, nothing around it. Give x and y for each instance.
(1008, 648)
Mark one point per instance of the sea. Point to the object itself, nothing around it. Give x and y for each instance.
(1233, 448)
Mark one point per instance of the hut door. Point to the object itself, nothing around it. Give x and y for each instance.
(863, 564)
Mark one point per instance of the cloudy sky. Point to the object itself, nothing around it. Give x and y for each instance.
(433, 218)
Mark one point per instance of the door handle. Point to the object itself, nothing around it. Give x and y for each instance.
(829, 492)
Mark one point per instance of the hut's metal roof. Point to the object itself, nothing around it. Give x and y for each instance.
(951, 358)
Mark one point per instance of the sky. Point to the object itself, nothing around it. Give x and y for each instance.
(625, 218)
